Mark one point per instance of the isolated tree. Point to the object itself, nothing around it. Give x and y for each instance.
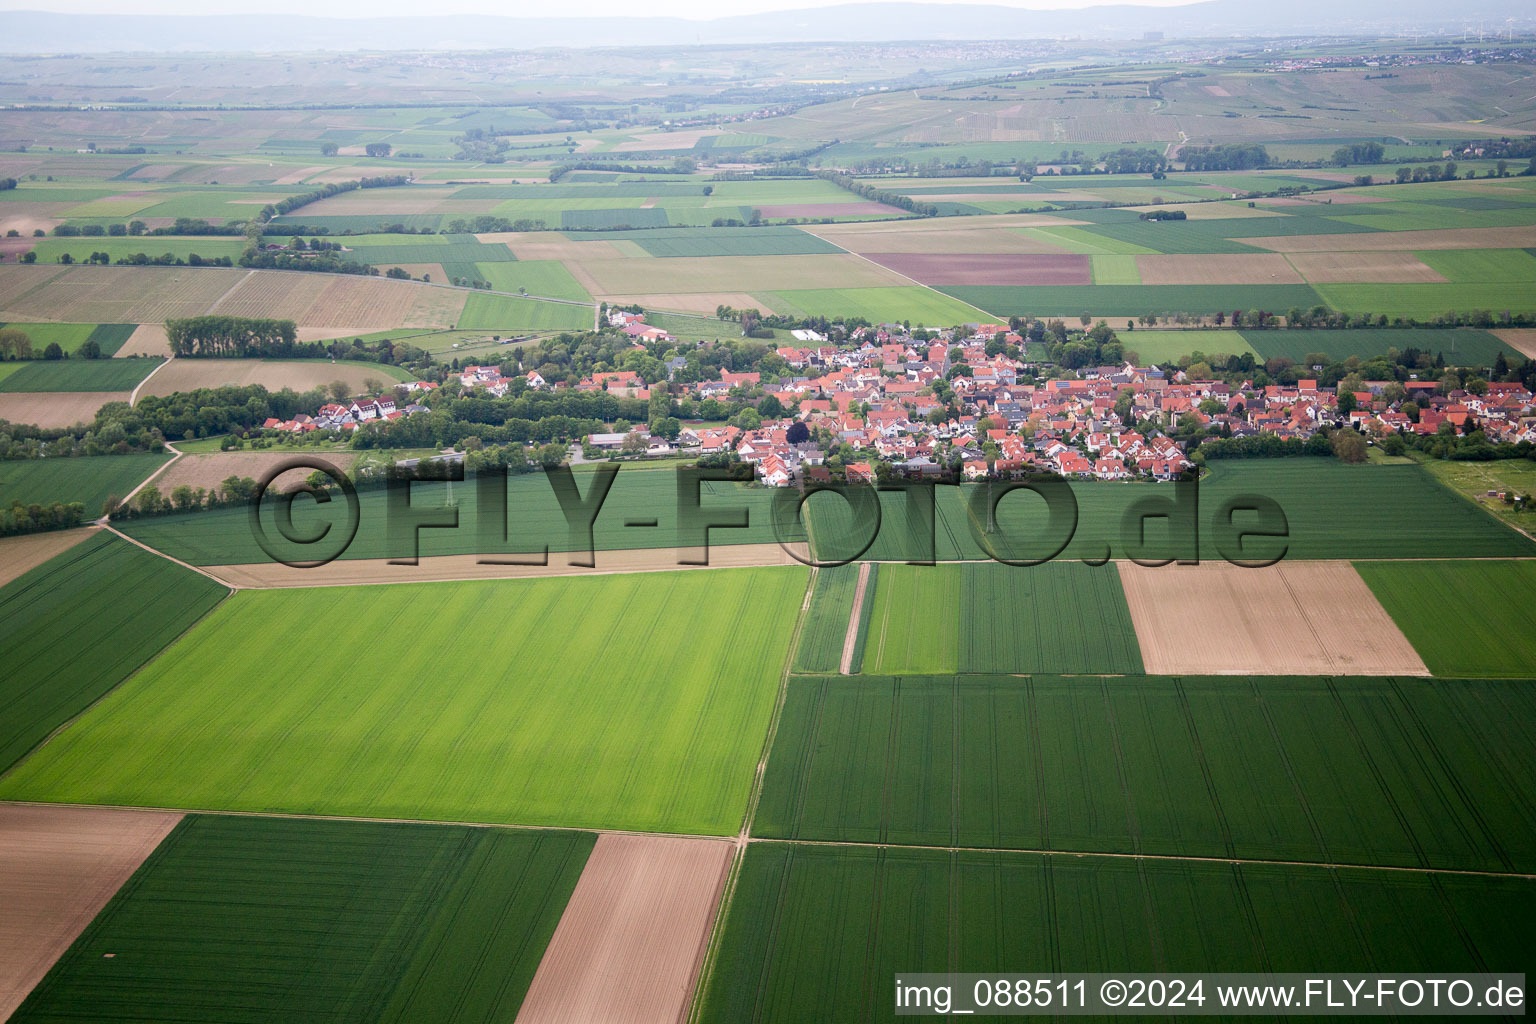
(53, 351)
(798, 433)
(1349, 445)
(378, 149)
(339, 390)
(329, 149)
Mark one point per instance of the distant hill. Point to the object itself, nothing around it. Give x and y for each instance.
(42, 32)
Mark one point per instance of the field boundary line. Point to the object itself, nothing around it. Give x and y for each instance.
(176, 455)
(1117, 855)
(156, 551)
(23, 759)
(230, 290)
(133, 397)
(989, 318)
(744, 837)
(851, 634)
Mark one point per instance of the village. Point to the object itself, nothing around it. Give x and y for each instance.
(880, 406)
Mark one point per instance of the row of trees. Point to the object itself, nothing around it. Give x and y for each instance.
(1230, 156)
(878, 195)
(232, 337)
(33, 518)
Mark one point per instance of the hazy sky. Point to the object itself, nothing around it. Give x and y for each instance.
(565, 8)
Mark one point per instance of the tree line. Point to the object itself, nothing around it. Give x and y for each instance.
(231, 337)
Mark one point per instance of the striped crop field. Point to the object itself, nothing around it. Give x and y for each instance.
(826, 622)
(249, 918)
(569, 701)
(79, 624)
(1400, 772)
(1332, 510)
(818, 933)
(89, 480)
(988, 617)
(1471, 618)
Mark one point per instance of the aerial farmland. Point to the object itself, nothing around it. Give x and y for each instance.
(700, 518)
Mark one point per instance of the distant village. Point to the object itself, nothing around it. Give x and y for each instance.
(878, 394)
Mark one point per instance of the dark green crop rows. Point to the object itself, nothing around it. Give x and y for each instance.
(1372, 771)
(240, 919)
(79, 624)
(821, 933)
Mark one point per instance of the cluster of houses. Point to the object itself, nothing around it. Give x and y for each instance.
(887, 396)
(351, 415)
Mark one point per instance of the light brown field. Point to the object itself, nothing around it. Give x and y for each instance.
(332, 301)
(346, 572)
(692, 302)
(16, 281)
(1522, 340)
(390, 201)
(431, 271)
(332, 333)
(733, 274)
(664, 140)
(272, 374)
(549, 245)
(1228, 268)
(28, 217)
(120, 295)
(212, 469)
(1365, 268)
(22, 554)
(146, 340)
(629, 945)
(1403, 241)
(297, 177)
(56, 408)
(58, 867)
(957, 240)
(1293, 618)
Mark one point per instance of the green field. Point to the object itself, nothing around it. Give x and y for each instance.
(1168, 346)
(246, 919)
(535, 521)
(1474, 481)
(1115, 270)
(1482, 266)
(386, 249)
(1472, 618)
(88, 479)
(1331, 510)
(1135, 299)
(819, 933)
(50, 249)
(826, 621)
(988, 617)
(79, 624)
(70, 337)
(560, 701)
(1427, 301)
(546, 278)
(485, 311)
(79, 375)
(922, 306)
(605, 219)
(1379, 772)
(1463, 346)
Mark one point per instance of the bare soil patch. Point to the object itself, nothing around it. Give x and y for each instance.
(20, 555)
(549, 245)
(56, 408)
(212, 469)
(1522, 340)
(1365, 268)
(1230, 268)
(1293, 618)
(1403, 241)
(272, 374)
(58, 867)
(984, 268)
(146, 340)
(629, 945)
(359, 571)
